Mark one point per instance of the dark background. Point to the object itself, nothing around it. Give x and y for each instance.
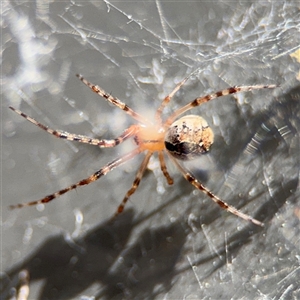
(171, 242)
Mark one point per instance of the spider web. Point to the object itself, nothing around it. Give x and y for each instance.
(171, 242)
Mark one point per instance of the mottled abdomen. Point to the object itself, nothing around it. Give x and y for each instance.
(188, 137)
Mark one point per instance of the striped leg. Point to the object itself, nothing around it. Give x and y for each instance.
(164, 167)
(103, 171)
(169, 97)
(81, 138)
(135, 184)
(115, 101)
(190, 178)
(228, 91)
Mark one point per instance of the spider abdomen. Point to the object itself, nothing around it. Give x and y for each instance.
(188, 137)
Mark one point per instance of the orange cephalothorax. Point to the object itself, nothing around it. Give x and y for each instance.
(150, 138)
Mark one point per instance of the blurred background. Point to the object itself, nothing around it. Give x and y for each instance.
(172, 242)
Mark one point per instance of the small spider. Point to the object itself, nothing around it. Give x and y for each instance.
(183, 139)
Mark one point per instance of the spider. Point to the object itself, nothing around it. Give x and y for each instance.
(181, 139)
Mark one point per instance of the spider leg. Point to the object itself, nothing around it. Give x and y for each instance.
(190, 178)
(168, 98)
(103, 171)
(163, 167)
(81, 138)
(113, 100)
(225, 92)
(135, 184)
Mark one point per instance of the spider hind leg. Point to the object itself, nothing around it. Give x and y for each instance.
(190, 178)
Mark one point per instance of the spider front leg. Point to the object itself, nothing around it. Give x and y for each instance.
(129, 132)
(103, 171)
(114, 100)
(169, 97)
(231, 90)
(190, 178)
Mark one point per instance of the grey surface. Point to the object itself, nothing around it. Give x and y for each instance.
(171, 242)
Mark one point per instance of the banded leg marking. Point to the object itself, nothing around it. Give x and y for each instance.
(163, 167)
(190, 178)
(113, 100)
(103, 171)
(129, 132)
(135, 183)
(225, 92)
